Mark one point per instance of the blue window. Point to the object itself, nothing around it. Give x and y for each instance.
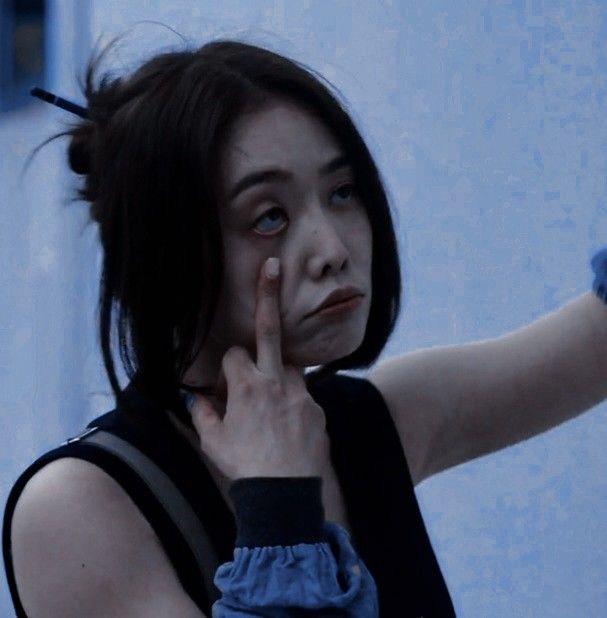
(22, 45)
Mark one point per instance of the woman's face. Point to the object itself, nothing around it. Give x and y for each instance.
(314, 222)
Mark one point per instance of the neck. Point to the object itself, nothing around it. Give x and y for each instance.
(203, 374)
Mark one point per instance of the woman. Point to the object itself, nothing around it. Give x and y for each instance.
(200, 167)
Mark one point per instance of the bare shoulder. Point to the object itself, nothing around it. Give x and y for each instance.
(81, 547)
(419, 404)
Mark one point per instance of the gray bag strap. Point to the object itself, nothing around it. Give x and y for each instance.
(173, 501)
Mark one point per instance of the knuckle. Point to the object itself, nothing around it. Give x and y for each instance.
(229, 356)
(246, 386)
(273, 386)
(291, 372)
(296, 377)
(302, 399)
(295, 381)
(237, 351)
(242, 379)
(269, 384)
(235, 356)
(268, 327)
(314, 409)
(298, 400)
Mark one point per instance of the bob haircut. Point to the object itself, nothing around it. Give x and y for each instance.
(148, 152)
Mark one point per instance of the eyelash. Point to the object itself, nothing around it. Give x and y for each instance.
(349, 185)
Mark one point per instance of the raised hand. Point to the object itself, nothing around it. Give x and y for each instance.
(272, 427)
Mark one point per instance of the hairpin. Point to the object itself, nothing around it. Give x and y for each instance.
(49, 97)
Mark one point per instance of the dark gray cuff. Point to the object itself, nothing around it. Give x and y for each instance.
(278, 511)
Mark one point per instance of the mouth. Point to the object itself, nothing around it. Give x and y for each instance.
(337, 296)
(338, 308)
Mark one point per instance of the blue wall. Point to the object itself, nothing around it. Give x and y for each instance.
(487, 120)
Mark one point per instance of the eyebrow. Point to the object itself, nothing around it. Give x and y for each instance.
(273, 175)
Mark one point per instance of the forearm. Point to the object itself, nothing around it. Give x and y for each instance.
(286, 555)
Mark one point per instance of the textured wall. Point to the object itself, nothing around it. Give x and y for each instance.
(487, 122)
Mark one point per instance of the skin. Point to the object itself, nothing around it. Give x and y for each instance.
(272, 427)
(110, 560)
(323, 240)
(321, 234)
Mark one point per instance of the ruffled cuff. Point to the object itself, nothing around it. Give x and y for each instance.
(287, 557)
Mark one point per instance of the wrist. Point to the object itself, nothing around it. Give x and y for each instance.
(278, 510)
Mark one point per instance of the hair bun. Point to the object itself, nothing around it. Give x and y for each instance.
(80, 150)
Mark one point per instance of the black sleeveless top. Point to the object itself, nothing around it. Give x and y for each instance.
(388, 531)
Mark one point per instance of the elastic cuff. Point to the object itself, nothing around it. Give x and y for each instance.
(278, 511)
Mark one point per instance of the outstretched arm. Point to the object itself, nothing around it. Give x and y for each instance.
(494, 393)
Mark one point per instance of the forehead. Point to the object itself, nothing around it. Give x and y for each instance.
(282, 135)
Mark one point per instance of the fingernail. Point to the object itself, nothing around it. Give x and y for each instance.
(188, 401)
(272, 267)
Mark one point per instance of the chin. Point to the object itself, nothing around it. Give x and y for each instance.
(314, 354)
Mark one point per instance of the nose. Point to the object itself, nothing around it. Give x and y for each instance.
(324, 243)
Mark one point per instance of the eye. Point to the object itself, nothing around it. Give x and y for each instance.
(272, 216)
(349, 188)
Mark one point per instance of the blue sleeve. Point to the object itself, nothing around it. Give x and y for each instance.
(288, 559)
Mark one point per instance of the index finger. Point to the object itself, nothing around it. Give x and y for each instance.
(267, 321)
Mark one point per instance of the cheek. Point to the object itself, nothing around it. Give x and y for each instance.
(236, 292)
(361, 234)
(238, 296)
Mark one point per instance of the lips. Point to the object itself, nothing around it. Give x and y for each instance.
(337, 296)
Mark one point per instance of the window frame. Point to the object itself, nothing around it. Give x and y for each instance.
(15, 90)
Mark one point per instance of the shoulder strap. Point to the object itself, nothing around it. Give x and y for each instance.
(173, 501)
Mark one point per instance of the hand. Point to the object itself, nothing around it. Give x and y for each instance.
(272, 427)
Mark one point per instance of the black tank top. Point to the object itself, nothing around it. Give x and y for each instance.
(388, 531)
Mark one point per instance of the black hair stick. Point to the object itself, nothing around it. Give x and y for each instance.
(49, 97)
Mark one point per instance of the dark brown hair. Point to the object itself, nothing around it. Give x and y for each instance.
(148, 156)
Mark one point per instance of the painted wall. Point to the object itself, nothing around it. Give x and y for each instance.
(487, 122)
